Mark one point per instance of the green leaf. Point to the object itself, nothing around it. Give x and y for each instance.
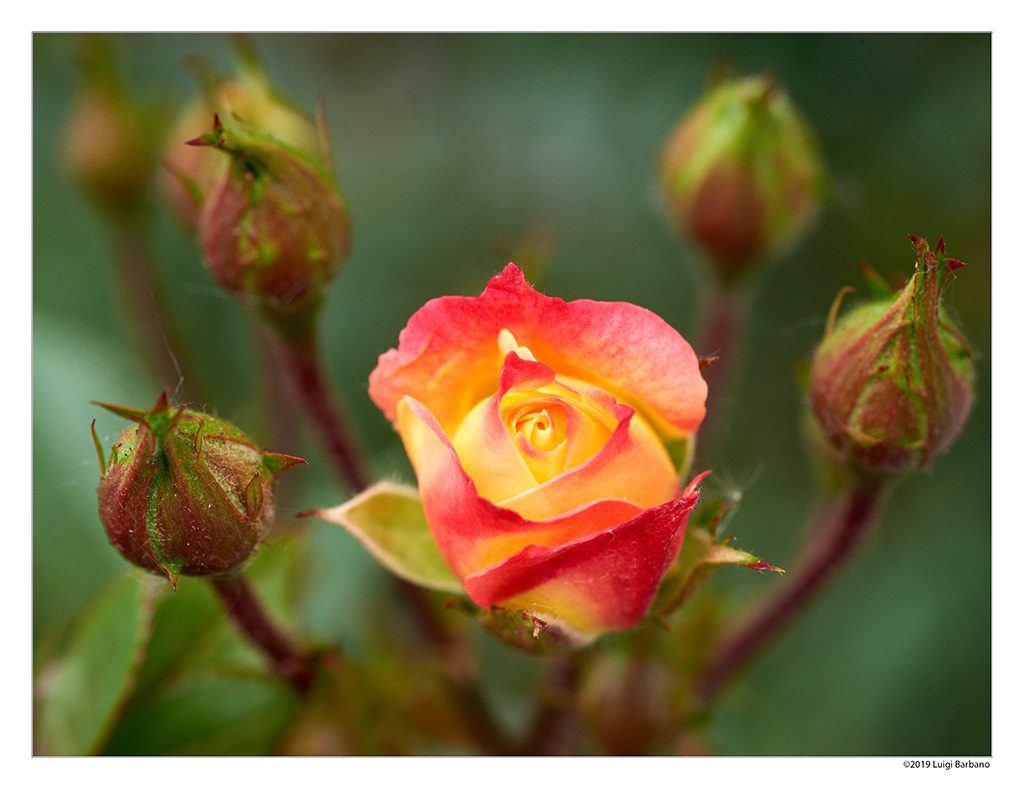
(204, 688)
(191, 635)
(388, 519)
(701, 556)
(222, 714)
(181, 624)
(82, 694)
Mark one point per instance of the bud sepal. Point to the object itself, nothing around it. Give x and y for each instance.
(189, 172)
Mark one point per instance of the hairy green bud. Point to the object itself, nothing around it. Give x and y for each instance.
(186, 492)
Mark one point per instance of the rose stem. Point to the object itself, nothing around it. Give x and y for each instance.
(158, 339)
(838, 535)
(465, 692)
(299, 354)
(246, 611)
(301, 357)
(281, 414)
(550, 728)
(720, 339)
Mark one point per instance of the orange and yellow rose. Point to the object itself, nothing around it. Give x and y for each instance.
(547, 438)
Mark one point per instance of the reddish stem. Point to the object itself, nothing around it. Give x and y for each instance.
(301, 357)
(246, 611)
(299, 353)
(282, 411)
(843, 529)
(552, 727)
(722, 327)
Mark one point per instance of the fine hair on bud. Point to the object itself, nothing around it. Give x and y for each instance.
(184, 492)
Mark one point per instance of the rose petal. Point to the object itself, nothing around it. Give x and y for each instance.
(472, 532)
(605, 581)
(448, 356)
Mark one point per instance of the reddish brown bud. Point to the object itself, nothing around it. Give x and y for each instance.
(743, 174)
(273, 229)
(186, 492)
(891, 383)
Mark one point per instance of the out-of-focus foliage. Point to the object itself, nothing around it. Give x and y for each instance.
(452, 152)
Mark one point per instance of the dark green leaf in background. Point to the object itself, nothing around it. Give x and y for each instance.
(82, 692)
(220, 714)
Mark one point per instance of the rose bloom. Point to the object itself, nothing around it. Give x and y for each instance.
(547, 439)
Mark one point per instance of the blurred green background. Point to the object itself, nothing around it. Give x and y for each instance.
(454, 151)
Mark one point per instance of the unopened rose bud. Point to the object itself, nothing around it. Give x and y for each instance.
(274, 229)
(891, 383)
(743, 174)
(186, 492)
(107, 141)
(190, 172)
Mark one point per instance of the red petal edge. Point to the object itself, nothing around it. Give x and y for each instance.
(614, 574)
(450, 346)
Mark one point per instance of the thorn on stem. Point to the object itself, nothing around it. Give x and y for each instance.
(704, 362)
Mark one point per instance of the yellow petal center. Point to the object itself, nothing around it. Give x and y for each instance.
(541, 425)
(554, 428)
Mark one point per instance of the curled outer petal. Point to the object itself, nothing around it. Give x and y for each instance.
(605, 581)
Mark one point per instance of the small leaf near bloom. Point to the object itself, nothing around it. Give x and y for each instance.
(548, 438)
(388, 520)
(701, 556)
